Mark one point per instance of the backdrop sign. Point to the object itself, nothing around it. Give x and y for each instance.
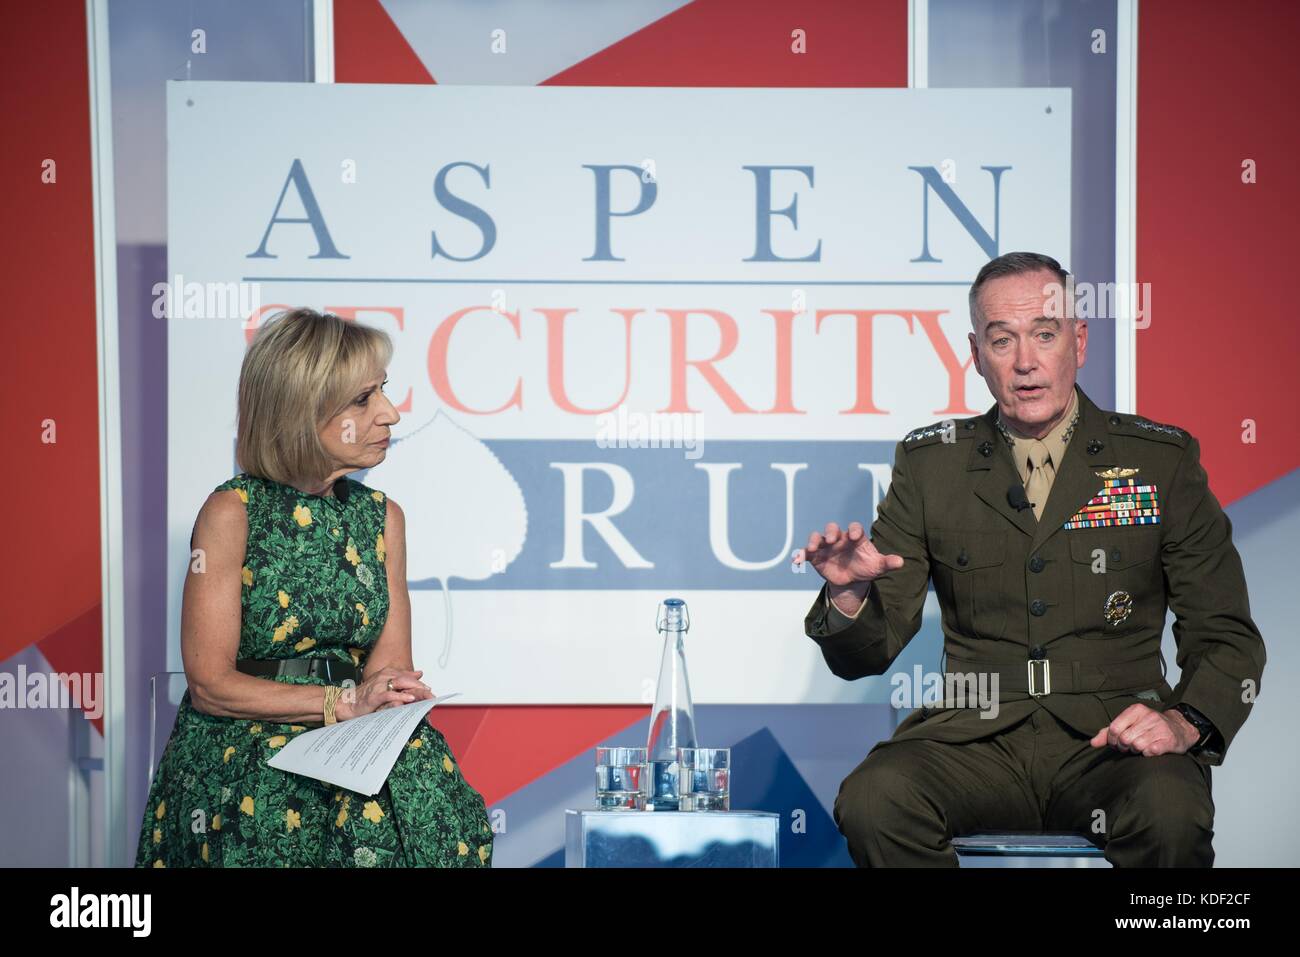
(646, 339)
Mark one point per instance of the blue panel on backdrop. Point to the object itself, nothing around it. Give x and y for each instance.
(672, 495)
(772, 783)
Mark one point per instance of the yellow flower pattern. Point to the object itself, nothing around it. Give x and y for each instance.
(321, 558)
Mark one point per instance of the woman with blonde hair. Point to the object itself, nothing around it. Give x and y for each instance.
(298, 586)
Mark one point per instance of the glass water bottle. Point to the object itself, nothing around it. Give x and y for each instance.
(672, 722)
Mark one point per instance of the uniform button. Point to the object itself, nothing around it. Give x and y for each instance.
(1038, 653)
(1114, 554)
(1114, 420)
(970, 426)
(1038, 607)
(962, 559)
(1036, 564)
(985, 449)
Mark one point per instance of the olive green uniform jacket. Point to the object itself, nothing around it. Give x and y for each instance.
(1086, 603)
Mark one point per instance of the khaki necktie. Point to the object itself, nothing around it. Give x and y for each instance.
(1041, 473)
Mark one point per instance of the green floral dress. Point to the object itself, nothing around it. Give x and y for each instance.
(314, 585)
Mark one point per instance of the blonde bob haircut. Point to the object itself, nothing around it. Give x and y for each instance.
(300, 371)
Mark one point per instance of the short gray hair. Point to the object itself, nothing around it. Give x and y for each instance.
(1014, 264)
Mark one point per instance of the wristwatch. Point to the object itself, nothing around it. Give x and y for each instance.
(1203, 725)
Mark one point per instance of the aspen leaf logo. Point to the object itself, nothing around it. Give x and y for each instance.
(465, 513)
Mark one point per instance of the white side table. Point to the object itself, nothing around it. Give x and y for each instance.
(670, 838)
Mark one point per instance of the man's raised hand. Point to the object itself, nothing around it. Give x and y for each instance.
(846, 558)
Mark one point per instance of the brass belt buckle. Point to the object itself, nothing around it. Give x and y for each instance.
(1047, 677)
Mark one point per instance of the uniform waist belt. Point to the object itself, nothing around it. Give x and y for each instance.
(1042, 676)
(328, 669)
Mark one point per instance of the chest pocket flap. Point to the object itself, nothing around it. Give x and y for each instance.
(1121, 547)
(967, 551)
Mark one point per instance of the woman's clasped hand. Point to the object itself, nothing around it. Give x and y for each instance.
(375, 692)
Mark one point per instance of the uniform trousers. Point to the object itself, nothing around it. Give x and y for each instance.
(906, 801)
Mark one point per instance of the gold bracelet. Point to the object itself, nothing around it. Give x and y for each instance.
(332, 695)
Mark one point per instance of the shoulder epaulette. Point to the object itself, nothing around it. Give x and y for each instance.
(1147, 424)
(1152, 430)
(949, 430)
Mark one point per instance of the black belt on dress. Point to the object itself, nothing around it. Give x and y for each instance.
(329, 669)
(1038, 677)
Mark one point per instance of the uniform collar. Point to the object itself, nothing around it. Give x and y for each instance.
(1055, 440)
(1091, 448)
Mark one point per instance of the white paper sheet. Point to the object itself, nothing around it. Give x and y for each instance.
(356, 754)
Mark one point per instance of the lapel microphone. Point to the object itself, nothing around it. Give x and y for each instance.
(341, 490)
(1017, 498)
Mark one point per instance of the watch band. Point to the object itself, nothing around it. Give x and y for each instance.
(1200, 722)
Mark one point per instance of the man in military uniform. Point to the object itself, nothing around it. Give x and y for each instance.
(1056, 534)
